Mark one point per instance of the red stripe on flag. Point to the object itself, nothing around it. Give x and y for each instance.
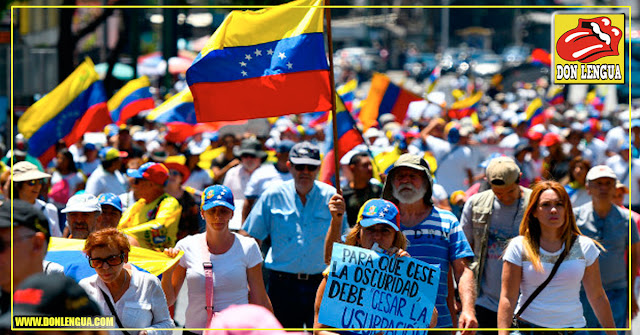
(328, 168)
(135, 107)
(93, 120)
(274, 95)
(402, 104)
(348, 141)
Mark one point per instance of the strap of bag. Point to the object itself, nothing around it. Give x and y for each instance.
(113, 311)
(208, 281)
(544, 284)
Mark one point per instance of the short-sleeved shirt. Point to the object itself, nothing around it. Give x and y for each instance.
(229, 275)
(438, 240)
(613, 233)
(297, 231)
(102, 181)
(558, 305)
(355, 198)
(263, 178)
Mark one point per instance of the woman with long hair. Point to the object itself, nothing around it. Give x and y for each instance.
(548, 232)
(576, 186)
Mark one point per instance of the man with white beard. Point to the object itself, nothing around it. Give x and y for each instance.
(434, 235)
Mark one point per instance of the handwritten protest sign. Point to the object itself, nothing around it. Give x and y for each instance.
(370, 290)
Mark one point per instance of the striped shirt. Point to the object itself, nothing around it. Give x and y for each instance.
(438, 240)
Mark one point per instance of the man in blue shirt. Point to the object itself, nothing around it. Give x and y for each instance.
(434, 235)
(608, 224)
(296, 216)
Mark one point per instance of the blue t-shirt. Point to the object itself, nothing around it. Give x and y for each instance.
(439, 240)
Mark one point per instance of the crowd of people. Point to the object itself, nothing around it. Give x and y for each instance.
(528, 224)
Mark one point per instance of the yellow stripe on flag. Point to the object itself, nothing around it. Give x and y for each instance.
(127, 89)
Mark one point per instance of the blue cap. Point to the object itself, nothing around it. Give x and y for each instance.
(217, 195)
(377, 211)
(285, 146)
(89, 146)
(635, 123)
(111, 200)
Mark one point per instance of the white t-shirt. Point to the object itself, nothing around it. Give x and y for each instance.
(452, 168)
(236, 179)
(230, 285)
(558, 305)
(102, 181)
(262, 178)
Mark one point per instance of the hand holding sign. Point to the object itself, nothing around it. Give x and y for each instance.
(366, 290)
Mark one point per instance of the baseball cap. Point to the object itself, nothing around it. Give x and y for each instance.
(217, 195)
(24, 214)
(305, 153)
(109, 153)
(20, 146)
(23, 171)
(53, 295)
(376, 211)
(178, 163)
(549, 139)
(89, 146)
(84, 203)
(111, 200)
(502, 171)
(600, 171)
(155, 172)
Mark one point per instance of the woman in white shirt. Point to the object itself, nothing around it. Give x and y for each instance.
(547, 227)
(236, 264)
(135, 296)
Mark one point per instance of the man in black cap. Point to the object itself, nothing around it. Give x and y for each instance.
(296, 217)
(52, 296)
(30, 241)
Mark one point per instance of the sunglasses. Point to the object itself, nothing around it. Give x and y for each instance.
(248, 156)
(111, 260)
(302, 167)
(35, 182)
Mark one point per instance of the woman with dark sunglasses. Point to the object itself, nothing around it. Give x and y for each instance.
(135, 298)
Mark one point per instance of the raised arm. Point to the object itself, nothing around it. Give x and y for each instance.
(337, 208)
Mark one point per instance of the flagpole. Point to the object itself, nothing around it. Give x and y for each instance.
(336, 158)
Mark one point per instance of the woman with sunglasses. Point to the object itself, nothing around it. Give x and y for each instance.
(234, 262)
(133, 297)
(548, 231)
(377, 223)
(28, 182)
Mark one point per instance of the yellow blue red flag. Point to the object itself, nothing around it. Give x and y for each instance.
(385, 97)
(68, 253)
(178, 108)
(133, 98)
(263, 63)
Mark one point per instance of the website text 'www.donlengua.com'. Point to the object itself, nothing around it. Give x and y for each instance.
(63, 321)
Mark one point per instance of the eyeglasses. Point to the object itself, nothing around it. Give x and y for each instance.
(112, 260)
(35, 182)
(301, 167)
(6, 244)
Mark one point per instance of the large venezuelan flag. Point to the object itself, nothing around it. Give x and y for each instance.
(465, 107)
(178, 108)
(534, 112)
(133, 98)
(269, 62)
(348, 138)
(385, 97)
(68, 253)
(76, 106)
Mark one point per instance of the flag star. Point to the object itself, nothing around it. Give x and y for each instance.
(244, 73)
(289, 65)
(243, 64)
(270, 52)
(258, 52)
(281, 55)
(247, 57)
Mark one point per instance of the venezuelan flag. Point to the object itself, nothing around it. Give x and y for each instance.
(348, 138)
(68, 253)
(347, 93)
(76, 106)
(433, 78)
(269, 62)
(133, 98)
(178, 108)
(385, 97)
(555, 95)
(465, 107)
(540, 57)
(534, 112)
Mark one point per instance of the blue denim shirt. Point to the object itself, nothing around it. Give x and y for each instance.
(297, 231)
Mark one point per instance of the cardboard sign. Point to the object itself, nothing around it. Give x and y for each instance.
(367, 290)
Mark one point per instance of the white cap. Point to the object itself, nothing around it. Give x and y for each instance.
(84, 203)
(601, 171)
